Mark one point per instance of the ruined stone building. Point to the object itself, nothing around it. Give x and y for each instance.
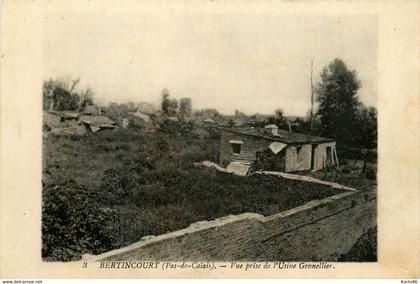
(272, 149)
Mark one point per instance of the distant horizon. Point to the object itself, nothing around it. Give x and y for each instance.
(157, 105)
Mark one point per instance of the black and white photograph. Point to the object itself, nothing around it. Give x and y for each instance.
(204, 139)
(211, 137)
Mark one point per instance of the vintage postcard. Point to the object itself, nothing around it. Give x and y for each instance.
(211, 139)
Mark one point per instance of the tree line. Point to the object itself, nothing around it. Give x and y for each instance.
(62, 94)
(171, 107)
(340, 114)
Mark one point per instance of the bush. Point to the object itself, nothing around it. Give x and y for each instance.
(370, 173)
(179, 128)
(214, 132)
(117, 182)
(73, 223)
(167, 173)
(46, 128)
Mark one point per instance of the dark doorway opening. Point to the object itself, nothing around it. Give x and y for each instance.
(329, 157)
(313, 156)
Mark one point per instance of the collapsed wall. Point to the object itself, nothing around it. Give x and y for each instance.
(319, 230)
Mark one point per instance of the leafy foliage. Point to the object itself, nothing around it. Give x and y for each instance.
(367, 127)
(185, 107)
(169, 106)
(338, 102)
(278, 120)
(341, 115)
(177, 128)
(73, 222)
(61, 95)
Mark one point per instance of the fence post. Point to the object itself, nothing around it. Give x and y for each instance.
(364, 154)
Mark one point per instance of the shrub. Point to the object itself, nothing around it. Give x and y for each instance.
(73, 223)
(167, 173)
(214, 132)
(161, 144)
(46, 128)
(370, 173)
(117, 182)
(122, 146)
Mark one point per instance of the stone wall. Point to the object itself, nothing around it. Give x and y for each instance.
(249, 147)
(294, 157)
(319, 230)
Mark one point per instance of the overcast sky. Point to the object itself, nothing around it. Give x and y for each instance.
(254, 63)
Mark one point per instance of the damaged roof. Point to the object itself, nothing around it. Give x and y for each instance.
(145, 117)
(97, 120)
(282, 135)
(66, 114)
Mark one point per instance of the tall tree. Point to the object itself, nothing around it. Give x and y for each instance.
(338, 102)
(165, 101)
(185, 107)
(169, 106)
(173, 107)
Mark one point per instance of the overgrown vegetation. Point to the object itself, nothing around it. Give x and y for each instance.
(106, 190)
(62, 94)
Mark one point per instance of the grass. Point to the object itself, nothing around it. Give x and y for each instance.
(106, 190)
(351, 174)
